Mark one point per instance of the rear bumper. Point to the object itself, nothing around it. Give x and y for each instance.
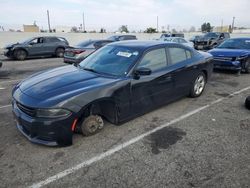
(50, 132)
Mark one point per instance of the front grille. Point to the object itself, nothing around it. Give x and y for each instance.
(27, 110)
(223, 58)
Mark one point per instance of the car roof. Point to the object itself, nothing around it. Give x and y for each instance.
(139, 45)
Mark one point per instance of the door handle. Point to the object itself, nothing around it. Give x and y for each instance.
(165, 79)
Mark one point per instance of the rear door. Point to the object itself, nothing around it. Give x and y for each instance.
(155, 89)
(182, 67)
(50, 45)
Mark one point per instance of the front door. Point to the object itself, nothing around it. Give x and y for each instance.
(155, 89)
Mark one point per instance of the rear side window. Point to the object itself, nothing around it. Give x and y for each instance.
(155, 59)
(52, 39)
(178, 55)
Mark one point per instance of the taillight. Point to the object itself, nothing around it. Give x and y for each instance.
(78, 51)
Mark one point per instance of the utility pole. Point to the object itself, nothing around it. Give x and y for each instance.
(157, 24)
(48, 20)
(221, 25)
(83, 22)
(233, 24)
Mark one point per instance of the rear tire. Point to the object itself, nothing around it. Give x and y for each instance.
(247, 66)
(59, 52)
(92, 125)
(247, 103)
(198, 85)
(20, 55)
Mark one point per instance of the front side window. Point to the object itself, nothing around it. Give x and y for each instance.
(154, 59)
(111, 60)
(178, 55)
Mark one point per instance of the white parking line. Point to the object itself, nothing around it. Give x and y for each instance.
(126, 144)
(5, 106)
(7, 81)
(1, 88)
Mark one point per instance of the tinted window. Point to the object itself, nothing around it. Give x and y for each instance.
(155, 59)
(178, 55)
(52, 40)
(111, 60)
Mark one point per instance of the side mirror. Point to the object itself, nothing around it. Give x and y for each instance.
(143, 71)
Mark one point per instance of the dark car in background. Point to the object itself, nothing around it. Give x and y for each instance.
(116, 83)
(195, 38)
(122, 37)
(37, 47)
(233, 54)
(77, 53)
(210, 40)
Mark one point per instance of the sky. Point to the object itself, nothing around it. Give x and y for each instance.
(136, 14)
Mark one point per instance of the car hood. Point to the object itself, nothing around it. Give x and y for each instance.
(228, 52)
(14, 45)
(62, 83)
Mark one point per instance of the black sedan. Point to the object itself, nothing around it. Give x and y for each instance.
(118, 82)
(37, 47)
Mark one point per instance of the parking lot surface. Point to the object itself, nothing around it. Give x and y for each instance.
(201, 142)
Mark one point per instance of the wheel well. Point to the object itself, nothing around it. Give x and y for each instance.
(105, 108)
(20, 49)
(60, 47)
(205, 72)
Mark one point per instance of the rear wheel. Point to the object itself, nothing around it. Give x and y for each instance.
(198, 85)
(247, 66)
(92, 125)
(247, 102)
(60, 52)
(20, 54)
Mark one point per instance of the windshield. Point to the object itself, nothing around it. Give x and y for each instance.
(236, 44)
(110, 60)
(27, 40)
(113, 38)
(165, 35)
(211, 35)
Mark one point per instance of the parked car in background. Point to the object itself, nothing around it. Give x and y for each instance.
(77, 53)
(233, 54)
(247, 102)
(118, 82)
(37, 47)
(122, 37)
(195, 38)
(178, 40)
(166, 35)
(210, 40)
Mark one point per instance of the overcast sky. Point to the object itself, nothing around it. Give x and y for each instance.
(137, 14)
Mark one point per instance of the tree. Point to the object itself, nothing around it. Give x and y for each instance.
(150, 30)
(123, 28)
(206, 27)
(103, 30)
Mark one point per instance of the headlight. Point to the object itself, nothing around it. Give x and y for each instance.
(52, 113)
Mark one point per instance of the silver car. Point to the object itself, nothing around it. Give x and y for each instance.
(178, 40)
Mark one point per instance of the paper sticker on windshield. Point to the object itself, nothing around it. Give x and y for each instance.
(247, 41)
(124, 54)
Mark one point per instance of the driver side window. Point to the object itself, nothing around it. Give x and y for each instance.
(154, 60)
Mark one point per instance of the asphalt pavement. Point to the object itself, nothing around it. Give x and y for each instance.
(201, 142)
